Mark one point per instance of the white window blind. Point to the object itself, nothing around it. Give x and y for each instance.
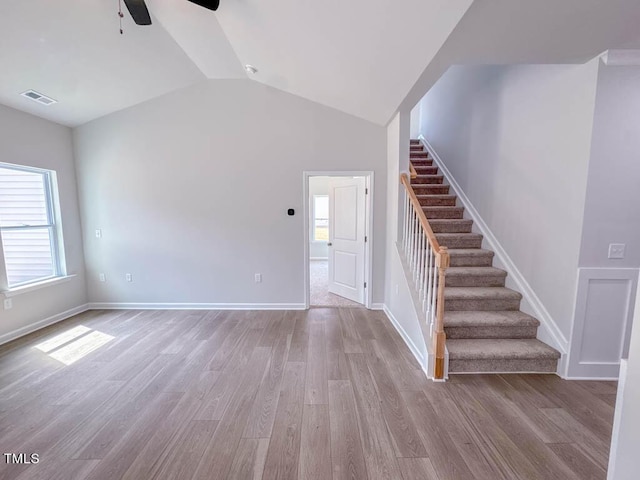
(27, 225)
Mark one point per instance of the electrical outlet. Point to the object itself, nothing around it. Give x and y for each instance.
(98, 233)
(102, 277)
(128, 277)
(258, 278)
(8, 303)
(616, 250)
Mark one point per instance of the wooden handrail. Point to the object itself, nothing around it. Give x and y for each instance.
(442, 262)
(412, 171)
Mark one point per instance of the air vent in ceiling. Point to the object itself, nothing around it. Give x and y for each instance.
(38, 97)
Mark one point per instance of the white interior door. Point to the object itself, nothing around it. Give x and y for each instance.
(346, 237)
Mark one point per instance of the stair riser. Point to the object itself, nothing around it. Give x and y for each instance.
(417, 163)
(490, 332)
(460, 242)
(438, 201)
(418, 154)
(475, 281)
(437, 179)
(483, 304)
(426, 170)
(503, 365)
(414, 142)
(443, 213)
(451, 227)
(416, 147)
(469, 261)
(432, 189)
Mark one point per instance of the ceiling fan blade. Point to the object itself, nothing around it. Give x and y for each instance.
(210, 4)
(139, 12)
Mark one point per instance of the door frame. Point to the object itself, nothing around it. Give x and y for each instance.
(368, 228)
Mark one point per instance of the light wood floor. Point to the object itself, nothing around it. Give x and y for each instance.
(327, 393)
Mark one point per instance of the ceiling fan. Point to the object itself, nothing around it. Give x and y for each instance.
(140, 13)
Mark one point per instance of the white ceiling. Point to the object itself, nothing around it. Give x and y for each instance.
(360, 56)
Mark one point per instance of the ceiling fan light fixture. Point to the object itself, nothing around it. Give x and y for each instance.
(251, 69)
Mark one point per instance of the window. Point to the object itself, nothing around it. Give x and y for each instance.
(28, 225)
(320, 218)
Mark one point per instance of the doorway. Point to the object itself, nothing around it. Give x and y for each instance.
(337, 238)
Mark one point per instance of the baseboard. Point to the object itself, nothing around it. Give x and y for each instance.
(196, 306)
(319, 258)
(407, 340)
(548, 331)
(377, 306)
(26, 330)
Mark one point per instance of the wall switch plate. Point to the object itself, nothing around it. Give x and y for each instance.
(8, 303)
(98, 233)
(128, 277)
(616, 250)
(258, 278)
(102, 277)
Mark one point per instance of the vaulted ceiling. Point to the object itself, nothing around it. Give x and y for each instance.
(362, 57)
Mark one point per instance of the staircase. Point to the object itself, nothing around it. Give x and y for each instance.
(485, 329)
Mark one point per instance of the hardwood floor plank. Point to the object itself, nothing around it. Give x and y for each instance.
(315, 447)
(284, 449)
(462, 433)
(417, 469)
(220, 452)
(445, 458)
(187, 451)
(263, 411)
(316, 376)
(577, 461)
(397, 417)
(350, 338)
(337, 368)
(300, 341)
(377, 445)
(248, 463)
(346, 448)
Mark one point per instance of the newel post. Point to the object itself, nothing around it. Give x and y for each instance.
(442, 263)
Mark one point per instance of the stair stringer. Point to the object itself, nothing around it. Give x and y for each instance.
(548, 331)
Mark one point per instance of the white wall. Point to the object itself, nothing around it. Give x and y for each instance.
(32, 141)
(191, 191)
(612, 213)
(398, 301)
(605, 296)
(624, 461)
(317, 186)
(516, 139)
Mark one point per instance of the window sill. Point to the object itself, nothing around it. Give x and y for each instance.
(14, 292)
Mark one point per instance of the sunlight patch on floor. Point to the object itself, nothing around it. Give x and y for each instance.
(73, 344)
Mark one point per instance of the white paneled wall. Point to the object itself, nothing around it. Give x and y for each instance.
(603, 318)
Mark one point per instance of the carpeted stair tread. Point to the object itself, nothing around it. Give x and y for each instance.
(428, 189)
(468, 257)
(446, 211)
(481, 298)
(503, 318)
(475, 277)
(460, 240)
(451, 225)
(422, 179)
(437, 200)
(500, 349)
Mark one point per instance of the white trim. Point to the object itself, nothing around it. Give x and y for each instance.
(548, 332)
(600, 370)
(377, 306)
(196, 306)
(617, 420)
(49, 282)
(26, 330)
(318, 258)
(368, 270)
(407, 340)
